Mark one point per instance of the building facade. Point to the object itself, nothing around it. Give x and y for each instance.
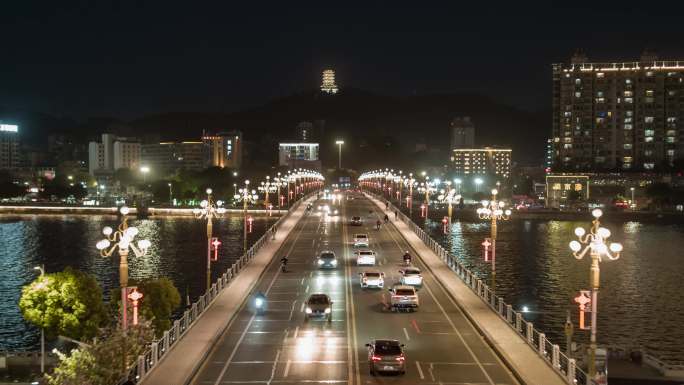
(299, 155)
(113, 153)
(617, 116)
(223, 149)
(167, 158)
(462, 133)
(9, 147)
(482, 161)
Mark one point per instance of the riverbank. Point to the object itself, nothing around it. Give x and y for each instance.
(99, 210)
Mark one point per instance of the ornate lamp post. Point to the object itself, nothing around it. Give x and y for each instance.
(246, 196)
(41, 268)
(493, 210)
(595, 244)
(122, 240)
(135, 296)
(209, 209)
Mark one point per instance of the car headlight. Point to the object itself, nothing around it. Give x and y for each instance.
(334, 262)
(259, 302)
(308, 310)
(320, 261)
(327, 310)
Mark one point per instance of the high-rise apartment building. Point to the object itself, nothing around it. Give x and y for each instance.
(112, 154)
(462, 133)
(328, 85)
(223, 149)
(626, 116)
(482, 161)
(9, 147)
(166, 158)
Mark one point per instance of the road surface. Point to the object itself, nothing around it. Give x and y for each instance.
(279, 347)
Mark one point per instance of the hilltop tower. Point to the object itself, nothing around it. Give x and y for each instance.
(328, 84)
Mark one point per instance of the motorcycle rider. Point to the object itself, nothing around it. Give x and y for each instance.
(407, 258)
(283, 263)
(377, 225)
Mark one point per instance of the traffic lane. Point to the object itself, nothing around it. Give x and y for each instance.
(439, 348)
(259, 348)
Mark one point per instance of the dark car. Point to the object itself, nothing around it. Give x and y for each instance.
(356, 221)
(318, 305)
(386, 356)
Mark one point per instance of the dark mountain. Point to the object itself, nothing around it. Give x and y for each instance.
(358, 116)
(377, 129)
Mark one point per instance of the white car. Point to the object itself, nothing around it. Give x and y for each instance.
(365, 257)
(372, 279)
(361, 240)
(403, 297)
(411, 276)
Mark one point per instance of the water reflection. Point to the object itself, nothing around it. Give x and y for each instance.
(639, 302)
(178, 252)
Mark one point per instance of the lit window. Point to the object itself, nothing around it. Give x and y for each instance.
(648, 119)
(629, 113)
(629, 100)
(599, 74)
(648, 139)
(649, 132)
(670, 133)
(671, 119)
(578, 94)
(649, 166)
(600, 100)
(578, 81)
(628, 81)
(670, 152)
(567, 114)
(567, 146)
(628, 93)
(672, 93)
(627, 146)
(648, 152)
(628, 126)
(670, 139)
(649, 92)
(599, 94)
(628, 120)
(649, 73)
(627, 159)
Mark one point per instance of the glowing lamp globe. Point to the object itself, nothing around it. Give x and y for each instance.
(615, 247)
(124, 210)
(209, 191)
(579, 231)
(597, 213)
(603, 232)
(107, 230)
(575, 246)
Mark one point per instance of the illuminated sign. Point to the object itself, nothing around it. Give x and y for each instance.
(9, 128)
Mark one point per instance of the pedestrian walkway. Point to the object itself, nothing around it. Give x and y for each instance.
(181, 363)
(521, 358)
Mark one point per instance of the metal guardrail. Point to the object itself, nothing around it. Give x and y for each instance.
(551, 353)
(158, 348)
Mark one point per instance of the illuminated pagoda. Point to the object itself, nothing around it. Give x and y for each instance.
(329, 85)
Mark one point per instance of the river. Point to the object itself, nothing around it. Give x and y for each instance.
(178, 252)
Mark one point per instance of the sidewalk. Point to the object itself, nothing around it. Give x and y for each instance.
(185, 357)
(518, 355)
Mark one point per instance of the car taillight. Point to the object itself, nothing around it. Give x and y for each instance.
(375, 358)
(401, 358)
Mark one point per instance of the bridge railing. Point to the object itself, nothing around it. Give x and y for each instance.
(551, 353)
(159, 348)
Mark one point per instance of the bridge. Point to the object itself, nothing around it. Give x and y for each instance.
(456, 337)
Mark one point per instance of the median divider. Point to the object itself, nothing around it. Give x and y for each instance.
(174, 358)
(525, 350)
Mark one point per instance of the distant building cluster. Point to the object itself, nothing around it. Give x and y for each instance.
(617, 116)
(468, 160)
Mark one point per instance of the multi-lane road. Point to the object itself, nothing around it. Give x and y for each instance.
(279, 347)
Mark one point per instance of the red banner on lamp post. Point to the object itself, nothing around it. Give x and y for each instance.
(486, 253)
(584, 302)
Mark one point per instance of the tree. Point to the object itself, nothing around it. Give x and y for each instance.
(67, 303)
(160, 299)
(660, 193)
(102, 363)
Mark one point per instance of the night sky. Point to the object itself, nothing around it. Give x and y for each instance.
(81, 60)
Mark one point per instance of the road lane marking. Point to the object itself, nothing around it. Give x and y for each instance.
(432, 373)
(296, 333)
(406, 334)
(251, 320)
(307, 289)
(292, 309)
(275, 365)
(441, 308)
(420, 370)
(302, 282)
(287, 369)
(415, 325)
(350, 305)
(301, 309)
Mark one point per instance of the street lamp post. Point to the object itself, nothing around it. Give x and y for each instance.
(170, 193)
(633, 204)
(209, 209)
(595, 245)
(494, 211)
(246, 196)
(122, 240)
(339, 144)
(41, 268)
(144, 170)
(478, 182)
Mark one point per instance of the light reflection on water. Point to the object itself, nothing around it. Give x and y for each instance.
(178, 252)
(640, 299)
